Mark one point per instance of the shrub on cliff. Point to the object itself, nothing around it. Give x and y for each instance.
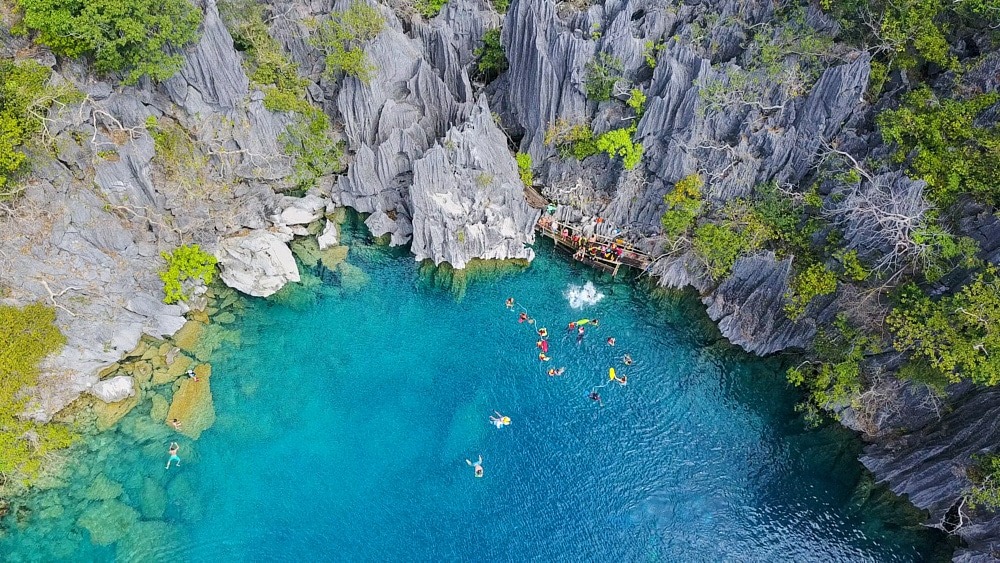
(684, 205)
(618, 142)
(27, 335)
(341, 36)
(491, 61)
(25, 98)
(130, 36)
(815, 281)
(958, 335)
(185, 262)
(944, 146)
(524, 168)
(603, 73)
(984, 475)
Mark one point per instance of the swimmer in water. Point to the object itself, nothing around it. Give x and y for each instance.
(595, 396)
(478, 466)
(611, 341)
(554, 372)
(543, 332)
(544, 345)
(627, 360)
(522, 317)
(176, 424)
(543, 357)
(173, 454)
(500, 420)
(622, 380)
(594, 322)
(510, 302)
(571, 326)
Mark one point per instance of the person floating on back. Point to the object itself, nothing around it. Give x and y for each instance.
(611, 341)
(543, 332)
(554, 372)
(477, 467)
(543, 357)
(622, 380)
(499, 420)
(627, 360)
(510, 302)
(173, 454)
(522, 317)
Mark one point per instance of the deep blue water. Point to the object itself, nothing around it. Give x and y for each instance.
(345, 416)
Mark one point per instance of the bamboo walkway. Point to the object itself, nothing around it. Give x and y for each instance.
(594, 250)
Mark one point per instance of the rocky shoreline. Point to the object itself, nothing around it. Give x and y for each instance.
(429, 164)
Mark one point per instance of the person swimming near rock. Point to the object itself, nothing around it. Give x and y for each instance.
(477, 467)
(554, 372)
(510, 302)
(173, 454)
(544, 345)
(543, 332)
(176, 424)
(499, 420)
(627, 360)
(611, 341)
(543, 357)
(522, 317)
(190, 374)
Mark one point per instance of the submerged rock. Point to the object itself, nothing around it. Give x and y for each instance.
(103, 489)
(108, 522)
(257, 264)
(192, 404)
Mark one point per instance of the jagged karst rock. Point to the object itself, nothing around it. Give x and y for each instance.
(468, 201)
(749, 307)
(257, 264)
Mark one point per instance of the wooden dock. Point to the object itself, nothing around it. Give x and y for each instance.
(598, 251)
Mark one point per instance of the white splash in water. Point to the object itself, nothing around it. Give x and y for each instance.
(581, 296)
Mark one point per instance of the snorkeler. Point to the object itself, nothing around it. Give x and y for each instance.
(611, 341)
(500, 420)
(478, 466)
(173, 454)
(627, 360)
(510, 302)
(544, 345)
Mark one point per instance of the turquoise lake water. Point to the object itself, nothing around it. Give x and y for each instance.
(347, 410)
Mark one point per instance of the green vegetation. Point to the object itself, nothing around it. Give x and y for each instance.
(524, 168)
(636, 101)
(854, 269)
(835, 376)
(25, 97)
(604, 72)
(177, 154)
(491, 61)
(27, 335)
(684, 204)
(958, 335)
(185, 262)
(130, 36)
(267, 65)
(948, 150)
(650, 50)
(429, 8)
(618, 142)
(814, 281)
(501, 6)
(941, 251)
(719, 246)
(316, 154)
(340, 38)
(985, 478)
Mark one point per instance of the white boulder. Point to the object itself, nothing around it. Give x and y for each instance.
(114, 389)
(328, 237)
(258, 264)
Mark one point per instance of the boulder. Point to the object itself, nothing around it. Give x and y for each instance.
(302, 210)
(114, 389)
(328, 237)
(192, 404)
(257, 264)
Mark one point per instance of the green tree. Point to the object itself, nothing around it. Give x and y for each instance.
(603, 72)
(684, 204)
(618, 142)
(985, 478)
(524, 168)
(957, 335)
(341, 36)
(491, 61)
(185, 262)
(429, 8)
(27, 335)
(718, 246)
(815, 281)
(130, 36)
(944, 145)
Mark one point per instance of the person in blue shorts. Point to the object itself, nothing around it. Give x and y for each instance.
(173, 455)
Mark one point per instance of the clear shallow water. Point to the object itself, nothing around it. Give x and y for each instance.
(345, 417)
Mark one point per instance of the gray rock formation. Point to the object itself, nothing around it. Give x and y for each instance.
(467, 199)
(113, 390)
(258, 264)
